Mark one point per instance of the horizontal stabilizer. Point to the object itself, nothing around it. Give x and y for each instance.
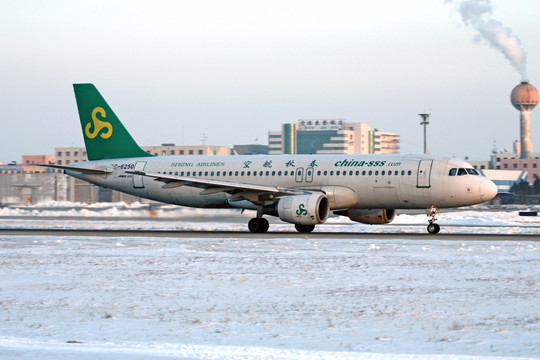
(83, 170)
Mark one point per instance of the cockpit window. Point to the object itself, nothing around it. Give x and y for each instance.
(462, 171)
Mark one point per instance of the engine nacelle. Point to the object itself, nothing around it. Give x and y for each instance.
(303, 209)
(370, 216)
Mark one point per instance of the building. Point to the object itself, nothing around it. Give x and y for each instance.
(66, 156)
(331, 136)
(172, 149)
(11, 168)
(29, 160)
(250, 149)
(504, 179)
(513, 161)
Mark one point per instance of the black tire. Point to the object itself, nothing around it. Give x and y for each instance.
(258, 225)
(304, 228)
(265, 225)
(433, 228)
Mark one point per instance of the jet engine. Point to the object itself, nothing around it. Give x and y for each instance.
(303, 209)
(369, 216)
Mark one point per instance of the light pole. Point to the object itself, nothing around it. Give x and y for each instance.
(425, 121)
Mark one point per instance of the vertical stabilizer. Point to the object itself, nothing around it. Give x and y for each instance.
(104, 135)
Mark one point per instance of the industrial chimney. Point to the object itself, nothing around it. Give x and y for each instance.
(524, 97)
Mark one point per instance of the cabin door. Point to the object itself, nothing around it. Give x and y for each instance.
(424, 174)
(138, 179)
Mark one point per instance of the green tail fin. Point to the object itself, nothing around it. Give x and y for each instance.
(104, 135)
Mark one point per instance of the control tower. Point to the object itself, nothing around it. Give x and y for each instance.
(524, 97)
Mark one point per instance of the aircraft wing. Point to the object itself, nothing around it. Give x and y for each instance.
(211, 186)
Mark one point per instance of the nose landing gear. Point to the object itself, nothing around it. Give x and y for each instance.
(432, 227)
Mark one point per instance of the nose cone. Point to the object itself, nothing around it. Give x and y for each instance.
(488, 190)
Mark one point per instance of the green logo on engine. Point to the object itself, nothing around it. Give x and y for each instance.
(301, 210)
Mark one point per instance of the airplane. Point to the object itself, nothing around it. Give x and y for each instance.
(299, 189)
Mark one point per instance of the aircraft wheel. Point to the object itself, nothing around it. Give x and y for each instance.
(258, 225)
(265, 225)
(304, 228)
(433, 228)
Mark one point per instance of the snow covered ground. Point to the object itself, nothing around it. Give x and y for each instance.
(89, 297)
(65, 215)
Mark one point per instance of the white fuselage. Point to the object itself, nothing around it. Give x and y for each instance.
(379, 181)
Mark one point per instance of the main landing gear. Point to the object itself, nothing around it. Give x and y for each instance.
(258, 225)
(432, 227)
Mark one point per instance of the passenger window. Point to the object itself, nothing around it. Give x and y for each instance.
(268, 173)
(382, 172)
(409, 173)
(452, 172)
(242, 173)
(273, 173)
(462, 171)
(236, 173)
(331, 173)
(285, 173)
(325, 172)
(357, 172)
(279, 173)
(337, 173)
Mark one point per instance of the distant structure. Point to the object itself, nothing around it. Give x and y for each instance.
(524, 97)
(70, 155)
(331, 136)
(425, 121)
(249, 149)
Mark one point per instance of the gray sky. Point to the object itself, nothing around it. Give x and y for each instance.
(173, 70)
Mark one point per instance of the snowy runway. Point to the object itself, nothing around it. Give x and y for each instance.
(152, 295)
(90, 297)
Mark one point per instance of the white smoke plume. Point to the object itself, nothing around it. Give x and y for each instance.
(477, 14)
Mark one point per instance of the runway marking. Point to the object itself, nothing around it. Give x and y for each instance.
(268, 235)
